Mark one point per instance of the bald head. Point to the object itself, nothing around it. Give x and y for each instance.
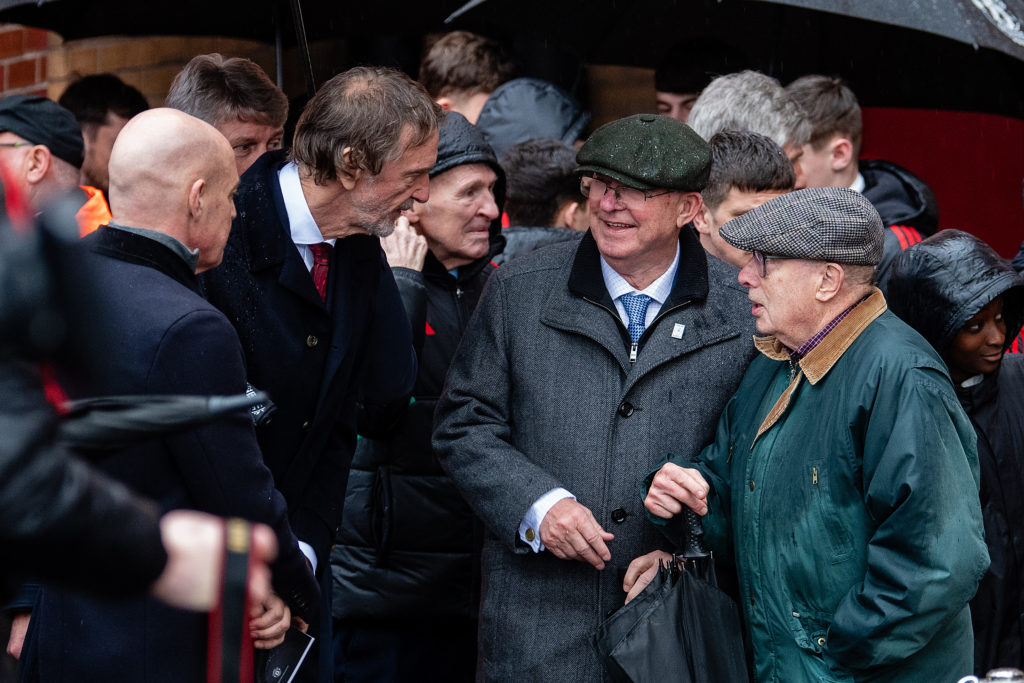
(173, 173)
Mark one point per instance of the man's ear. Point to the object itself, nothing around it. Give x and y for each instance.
(566, 214)
(350, 172)
(702, 221)
(842, 154)
(831, 282)
(690, 204)
(445, 103)
(197, 199)
(37, 163)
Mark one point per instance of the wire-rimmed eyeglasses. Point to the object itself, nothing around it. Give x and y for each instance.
(626, 195)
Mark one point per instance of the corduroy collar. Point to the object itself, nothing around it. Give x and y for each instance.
(822, 357)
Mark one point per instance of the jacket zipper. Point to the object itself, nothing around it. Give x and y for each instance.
(635, 347)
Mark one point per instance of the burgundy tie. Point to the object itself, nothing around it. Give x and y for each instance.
(321, 263)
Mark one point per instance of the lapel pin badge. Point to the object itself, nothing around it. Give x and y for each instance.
(677, 330)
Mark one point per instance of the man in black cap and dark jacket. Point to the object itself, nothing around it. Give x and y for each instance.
(406, 577)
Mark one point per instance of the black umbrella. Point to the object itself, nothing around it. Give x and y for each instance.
(928, 54)
(680, 628)
(98, 424)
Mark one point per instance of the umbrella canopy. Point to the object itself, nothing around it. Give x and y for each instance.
(916, 53)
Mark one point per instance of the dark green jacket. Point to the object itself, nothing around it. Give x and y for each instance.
(852, 509)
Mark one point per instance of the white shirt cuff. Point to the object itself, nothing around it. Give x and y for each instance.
(307, 550)
(529, 528)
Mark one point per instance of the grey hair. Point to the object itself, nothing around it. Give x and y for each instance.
(750, 100)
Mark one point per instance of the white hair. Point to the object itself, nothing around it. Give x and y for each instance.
(749, 100)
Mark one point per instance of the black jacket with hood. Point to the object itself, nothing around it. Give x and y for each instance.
(409, 546)
(936, 287)
(903, 201)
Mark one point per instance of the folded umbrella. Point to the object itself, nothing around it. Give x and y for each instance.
(682, 627)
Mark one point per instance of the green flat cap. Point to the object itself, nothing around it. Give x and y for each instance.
(833, 224)
(648, 152)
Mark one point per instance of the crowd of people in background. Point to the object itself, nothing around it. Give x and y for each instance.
(505, 350)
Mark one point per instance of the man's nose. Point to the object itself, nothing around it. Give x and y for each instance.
(609, 200)
(489, 207)
(748, 273)
(421, 190)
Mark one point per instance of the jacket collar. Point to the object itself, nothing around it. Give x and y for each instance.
(822, 357)
(258, 196)
(136, 248)
(587, 282)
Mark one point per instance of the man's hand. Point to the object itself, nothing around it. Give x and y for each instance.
(641, 571)
(19, 627)
(270, 621)
(570, 532)
(194, 542)
(405, 248)
(674, 486)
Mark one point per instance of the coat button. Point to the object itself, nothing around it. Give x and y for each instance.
(626, 409)
(305, 425)
(312, 341)
(618, 515)
(821, 642)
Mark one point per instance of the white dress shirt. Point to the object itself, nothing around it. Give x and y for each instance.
(303, 228)
(529, 528)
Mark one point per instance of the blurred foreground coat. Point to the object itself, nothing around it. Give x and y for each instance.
(937, 287)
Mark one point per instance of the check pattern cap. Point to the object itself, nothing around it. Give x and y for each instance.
(833, 224)
(648, 152)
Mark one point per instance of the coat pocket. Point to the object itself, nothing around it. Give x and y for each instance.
(828, 516)
(810, 632)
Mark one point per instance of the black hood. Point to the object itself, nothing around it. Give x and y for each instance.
(899, 196)
(526, 108)
(936, 286)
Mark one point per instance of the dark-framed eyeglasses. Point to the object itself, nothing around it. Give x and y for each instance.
(591, 185)
(761, 261)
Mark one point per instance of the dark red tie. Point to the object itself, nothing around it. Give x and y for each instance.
(321, 263)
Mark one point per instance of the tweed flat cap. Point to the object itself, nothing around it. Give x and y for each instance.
(648, 152)
(44, 122)
(821, 224)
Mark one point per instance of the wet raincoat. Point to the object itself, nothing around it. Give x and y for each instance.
(937, 287)
(851, 510)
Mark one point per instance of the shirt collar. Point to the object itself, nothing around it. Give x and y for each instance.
(303, 228)
(825, 354)
(859, 184)
(657, 290)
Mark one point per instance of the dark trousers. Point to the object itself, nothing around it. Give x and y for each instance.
(441, 651)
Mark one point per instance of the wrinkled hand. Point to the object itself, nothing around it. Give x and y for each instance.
(19, 627)
(194, 542)
(269, 622)
(674, 486)
(641, 571)
(405, 248)
(570, 532)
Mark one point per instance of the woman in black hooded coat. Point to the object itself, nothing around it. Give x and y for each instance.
(969, 304)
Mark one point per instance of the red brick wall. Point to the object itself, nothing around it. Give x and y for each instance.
(23, 60)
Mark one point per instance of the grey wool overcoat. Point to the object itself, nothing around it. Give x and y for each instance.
(541, 395)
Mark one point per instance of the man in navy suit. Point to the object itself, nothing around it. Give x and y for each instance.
(307, 287)
(172, 181)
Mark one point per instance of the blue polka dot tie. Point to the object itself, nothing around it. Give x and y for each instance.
(636, 309)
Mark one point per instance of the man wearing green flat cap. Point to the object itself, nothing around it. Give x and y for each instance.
(585, 363)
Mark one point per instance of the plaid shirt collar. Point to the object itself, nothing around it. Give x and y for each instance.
(806, 347)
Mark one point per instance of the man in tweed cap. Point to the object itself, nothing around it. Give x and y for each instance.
(843, 479)
(585, 363)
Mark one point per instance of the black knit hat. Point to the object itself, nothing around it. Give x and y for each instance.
(460, 142)
(648, 152)
(43, 122)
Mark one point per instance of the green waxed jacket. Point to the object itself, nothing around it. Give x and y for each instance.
(851, 510)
